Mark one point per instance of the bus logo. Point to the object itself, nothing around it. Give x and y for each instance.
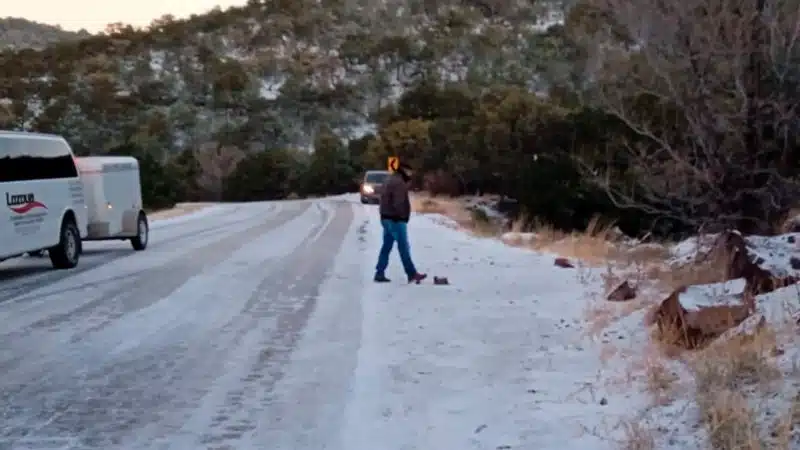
(22, 203)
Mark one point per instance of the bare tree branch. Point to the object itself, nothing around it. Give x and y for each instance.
(217, 163)
(708, 91)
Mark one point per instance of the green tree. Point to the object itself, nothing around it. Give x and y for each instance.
(329, 170)
(266, 175)
(408, 140)
(187, 172)
(6, 115)
(159, 185)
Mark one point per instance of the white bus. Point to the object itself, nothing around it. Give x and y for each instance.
(45, 207)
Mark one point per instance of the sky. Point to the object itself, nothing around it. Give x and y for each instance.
(94, 15)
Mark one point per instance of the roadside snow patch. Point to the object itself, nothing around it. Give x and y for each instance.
(498, 359)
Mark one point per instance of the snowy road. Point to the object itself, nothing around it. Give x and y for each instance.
(258, 327)
(175, 347)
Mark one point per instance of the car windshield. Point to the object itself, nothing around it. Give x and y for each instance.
(376, 177)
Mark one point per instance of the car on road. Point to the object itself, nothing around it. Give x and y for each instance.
(372, 185)
(45, 206)
(114, 197)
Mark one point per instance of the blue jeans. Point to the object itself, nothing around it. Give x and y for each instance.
(395, 232)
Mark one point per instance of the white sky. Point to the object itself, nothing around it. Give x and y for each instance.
(94, 15)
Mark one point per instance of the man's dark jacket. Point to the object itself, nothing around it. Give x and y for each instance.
(395, 204)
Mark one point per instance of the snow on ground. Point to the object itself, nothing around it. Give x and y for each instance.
(498, 359)
(185, 212)
(766, 385)
(508, 355)
(487, 205)
(685, 251)
(713, 294)
(772, 253)
(505, 357)
(518, 238)
(780, 306)
(776, 254)
(444, 221)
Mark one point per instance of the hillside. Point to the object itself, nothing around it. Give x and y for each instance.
(270, 75)
(335, 65)
(565, 110)
(18, 33)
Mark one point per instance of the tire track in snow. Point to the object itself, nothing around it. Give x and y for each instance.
(254, 348)
(23, 278)
(232, 346)
(151, 285)
(104, 282)
(32, 272)
(218, 209)
(293, 291)
(163, 360)
(306, 404)
(56, 321)
(94, 281)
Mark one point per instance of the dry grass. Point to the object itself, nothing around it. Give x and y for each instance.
(650, 262)
(472, 221)
(665, 341)
(732, 424)
(592, 246)
(596, 246)
(645, 253)
(723, 373)
(736, 381)
(739, 361)
(599, 315)
(783, 428)
(730, 377)
(699, 272)
(637, 437)
(450, 207)
(660, 380)
(599, 245)
(737, 389)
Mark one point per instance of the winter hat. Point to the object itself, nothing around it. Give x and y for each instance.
(403, 170)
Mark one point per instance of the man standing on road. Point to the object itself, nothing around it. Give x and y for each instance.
(395, 211)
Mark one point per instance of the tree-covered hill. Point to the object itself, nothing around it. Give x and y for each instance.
(596, 107)
(18, 33)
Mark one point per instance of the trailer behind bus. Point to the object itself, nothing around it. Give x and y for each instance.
(114, 198)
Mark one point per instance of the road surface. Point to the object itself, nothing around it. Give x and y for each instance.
(257, 326)
(180, 346)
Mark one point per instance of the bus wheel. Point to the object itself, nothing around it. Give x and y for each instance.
(66, 253)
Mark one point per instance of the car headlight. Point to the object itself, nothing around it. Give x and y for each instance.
(368, 189)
